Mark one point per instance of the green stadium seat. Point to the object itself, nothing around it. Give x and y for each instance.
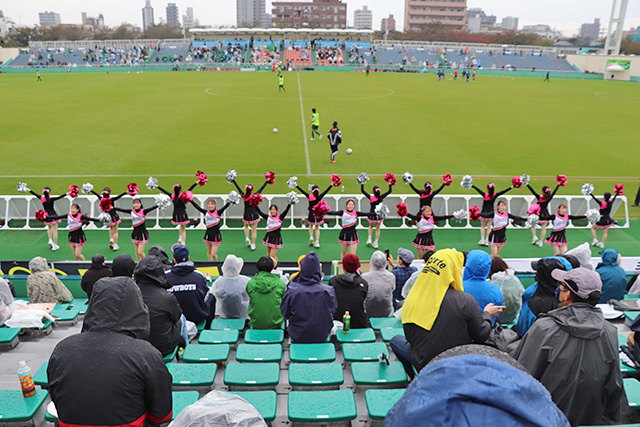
(206, 353)
(379, 402)
(169, 357)
(357, 335)
(41, 378)
(264, 336)
(192, 374)
(388, 333)
(200, 325)
(82, 304)
(9, 337)
(624, 368)
(219, 337)
(385, 322)
(227, 324)
(315, 374)
(259, 353)
(66, 313)
(15, 407)
(363, 352)
(630, 316)
(632, 388)
(322, 406)
(265, 401)
(366, 373)
(323, 352)
(631, 296)
(252, 375)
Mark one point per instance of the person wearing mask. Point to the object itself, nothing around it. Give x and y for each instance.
(511, 288)
(476, 271)
(379, 301)
(265, 291)
(43, 286)
(614, 278)
(97, 271)
(403, 270)
(230, 290)
(351, 292)
(123, 266)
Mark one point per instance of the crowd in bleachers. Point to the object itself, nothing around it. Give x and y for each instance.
(104, 56)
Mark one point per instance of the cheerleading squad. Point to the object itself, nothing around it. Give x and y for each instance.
(493, 216)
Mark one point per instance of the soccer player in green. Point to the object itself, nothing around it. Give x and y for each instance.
(315, 124)
(38, 77)
(281, 83)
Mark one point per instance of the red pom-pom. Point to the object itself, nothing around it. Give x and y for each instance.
(41, 215)
(270, 177)
(186, 197)
(321, 209)
(402, 209)
(202, 178)
(256, 199)
(534, 209)
(336, 180)
(561, 180)
(391, 180)
(132, 189)
(516, 182)
(73, 191)
(446, 179)
(474, 213)
(619, 189)
(105, 204)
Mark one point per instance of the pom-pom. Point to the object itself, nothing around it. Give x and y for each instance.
(561, 180)
(467, 182)
(22, 187)
(525, 179)
(41, 215)
(186, 197)
(407, 177)
(270, 177)
(382, 211)
(152, 183)
(474, 213)
(336, 180)
(363, 178)
(534, 209)
(292, 182)
(132, 189)
(587, 189)
(73, 191)
(390, 178)
(105, 204)
(402, 209)
(618, 189)
(86, 188)
(293, 197)
(446, 179)
(231, 176)
(461, 215)
(593, 216)
(202, 178)
(321, 209)
(255, 199)
(233, 197)
(516, 181)
(163, 201)
(104, 218)
(532, 221)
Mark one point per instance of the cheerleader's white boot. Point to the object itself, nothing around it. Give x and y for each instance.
(539, 243)
(600, 245)
(311, 241)
(317, 244)
(253, 246)
(534, 240)
(248, 241)
(594, 242)
(50, 243)
(481, 242)
(375, 245)
(369, 241)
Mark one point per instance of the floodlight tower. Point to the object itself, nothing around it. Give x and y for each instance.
(614, 37)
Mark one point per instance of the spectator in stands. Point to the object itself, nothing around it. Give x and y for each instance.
(158, 251)
(310, 305)
(475, 282)
(351, 292)
(190, 287)
(109, 374)
(97, 271)
(230, 290)
(123, 266)
(412, 279)
(614, 278)
(293, 279)
(164, 311)
(379, 301)
(573, 351)
(511, 288)
(402, 271)
(265, 291)
(43, 286)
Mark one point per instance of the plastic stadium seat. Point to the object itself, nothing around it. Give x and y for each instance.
(41, 378)
(315, 374)
(389, 333)
(15, 407)
(357, 335)
(363, 352)
(264, 401)
(323, 352)
(379, 402)
(252, 375)
(227, 324)
(200, 325)
(82, 304)
(264, 336)
(631, 296)
(259, 353)
(367, 373)
(169, 357)
(9, 336)
(632, 388)
(206, 353)
(385, 322)
(624, 368)
(322, 406)
(66, 313)
(630, 316)
(219, 337)
(192, 374)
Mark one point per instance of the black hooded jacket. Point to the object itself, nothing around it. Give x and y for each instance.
(544, 299)
(164, 310)
(108, 374)
(351, 291)
(158, 251)
(123, 266)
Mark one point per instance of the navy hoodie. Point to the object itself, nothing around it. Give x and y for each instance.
(191, 290)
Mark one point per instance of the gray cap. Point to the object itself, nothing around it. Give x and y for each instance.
(586, 281)
(406, 255)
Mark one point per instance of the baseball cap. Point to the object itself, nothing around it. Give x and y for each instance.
(580, 281)
(180, 252)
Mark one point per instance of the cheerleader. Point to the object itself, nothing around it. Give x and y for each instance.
(606, 221)
(426, 195)
(348, 236)
(212, 237)
(105, 198)
(180, 216)
(139, 235)
(543, 201)
(250, 216)
(426, 224)
(273, 238)
(487, 214)
(374, 220)
(498, 236)
(48, 206)
(75, 221)
(314, 222)
(557, 239)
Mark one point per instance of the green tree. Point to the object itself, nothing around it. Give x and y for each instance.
(162, 31)
(629, 47)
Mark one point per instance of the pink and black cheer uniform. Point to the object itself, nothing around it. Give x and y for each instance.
(488, 200)
(374, 201)
(348, 235)
(48, 206)
(115, 218)
(313, 201)
(498, 235)
(605, 212)
(543, 201)
(557, 237)
(424, 239)
(250, 215)
(138, 218)
(180, 216)
(75, 223)
(273, 238)
(425, 198)
(212, 221)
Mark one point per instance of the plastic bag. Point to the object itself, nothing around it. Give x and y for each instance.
(6, 299)
(192, 330)
(28, 319)
(219, 408)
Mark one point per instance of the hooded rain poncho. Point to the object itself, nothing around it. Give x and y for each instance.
(230, 290)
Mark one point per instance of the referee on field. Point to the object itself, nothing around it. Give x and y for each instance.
(335, 138)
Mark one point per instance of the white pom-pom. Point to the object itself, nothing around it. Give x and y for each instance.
(382, 210)
(593, 216)
(231, 176)
(293, 197)
(233, 197)
(363, 178)
(466, 182)
(532, 221)
(86, 188)
(461, 215)
(22, 187)
(587, 189)
(163, 201)
(292, 182)
(152, 183)
(407, 177)
(525, 179)
(105, 218)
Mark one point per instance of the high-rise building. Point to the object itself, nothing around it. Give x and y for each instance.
(388, 24)
(6, 24)
(49, 18)
(147, 15)
(591, 32)
(92, 21)
(542, 30)
(450, 13)
(187, 19)
(479, 22)
(313, 14)
(251, 13)
(173, 17)
(363, 19)
(509, 23)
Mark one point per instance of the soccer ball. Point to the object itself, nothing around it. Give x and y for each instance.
(275, 130)
(349, 151)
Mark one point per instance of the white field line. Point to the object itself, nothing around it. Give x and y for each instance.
(304, 131)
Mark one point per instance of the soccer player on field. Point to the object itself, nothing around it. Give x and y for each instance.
(38, 77)
(315, 124)
(335, 138)
(281, 83)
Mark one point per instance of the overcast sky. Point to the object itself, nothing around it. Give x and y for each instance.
(564, 15)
